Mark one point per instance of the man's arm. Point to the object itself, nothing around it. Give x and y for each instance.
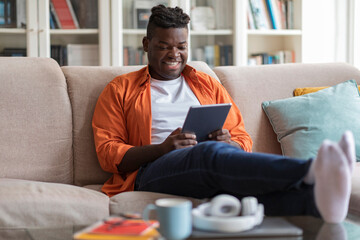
(137, 156)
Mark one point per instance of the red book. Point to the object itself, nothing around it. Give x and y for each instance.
(120, 226)
(64, 14)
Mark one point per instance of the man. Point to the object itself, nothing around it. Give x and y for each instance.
(134, 124)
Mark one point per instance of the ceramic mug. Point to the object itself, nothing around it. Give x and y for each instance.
(174, 216)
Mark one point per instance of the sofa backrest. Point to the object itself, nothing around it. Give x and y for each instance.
(250, 86)
(85, 85)
(36, 123)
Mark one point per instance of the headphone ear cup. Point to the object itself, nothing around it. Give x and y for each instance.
(224, 205)
(249, 206)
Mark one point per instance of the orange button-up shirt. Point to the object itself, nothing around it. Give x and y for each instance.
(122, 119)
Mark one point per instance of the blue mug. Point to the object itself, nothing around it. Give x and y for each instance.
(174, 216)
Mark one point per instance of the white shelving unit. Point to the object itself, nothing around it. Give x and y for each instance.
(312, 40)
(37, 38)
(244, 42)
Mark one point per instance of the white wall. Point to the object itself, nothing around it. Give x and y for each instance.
(331, 30)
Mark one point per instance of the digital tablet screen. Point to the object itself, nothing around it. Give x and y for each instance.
(205, 119)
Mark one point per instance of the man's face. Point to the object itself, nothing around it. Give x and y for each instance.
(167, 52)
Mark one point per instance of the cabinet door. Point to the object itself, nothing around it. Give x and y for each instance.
(129, 28)
(18, 28)
(69, 31)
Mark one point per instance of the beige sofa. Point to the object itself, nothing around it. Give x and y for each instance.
(49, 173)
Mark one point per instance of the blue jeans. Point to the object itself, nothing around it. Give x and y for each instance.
(211, 168)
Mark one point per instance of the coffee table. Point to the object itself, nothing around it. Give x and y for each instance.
(313, 228)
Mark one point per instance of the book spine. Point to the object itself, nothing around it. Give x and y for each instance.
(271, 14)
(71, 9)
(64, 14)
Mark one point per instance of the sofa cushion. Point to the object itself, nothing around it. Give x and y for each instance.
(85, 85)
(302, 123)
(306, 90)
(36, 124)
(37, 204)
(250, 86)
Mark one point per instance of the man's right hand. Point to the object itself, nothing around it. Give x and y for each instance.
(139, 155)
(177, 140)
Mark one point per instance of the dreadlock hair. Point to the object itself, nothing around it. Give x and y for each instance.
(166, 17)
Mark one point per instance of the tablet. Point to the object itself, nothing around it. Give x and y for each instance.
(205, 119)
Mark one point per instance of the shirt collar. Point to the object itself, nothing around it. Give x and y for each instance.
(188, 71)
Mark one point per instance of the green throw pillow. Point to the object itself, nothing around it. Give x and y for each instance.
(302, 123)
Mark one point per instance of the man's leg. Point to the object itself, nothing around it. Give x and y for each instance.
(211, 168)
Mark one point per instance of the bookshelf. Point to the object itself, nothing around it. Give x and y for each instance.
(117, 34)
(230, 32)
(38, 37)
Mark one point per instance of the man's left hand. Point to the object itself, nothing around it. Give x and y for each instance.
(221, 135)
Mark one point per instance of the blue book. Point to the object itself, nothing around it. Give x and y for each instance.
(271, 14)
(52, 23)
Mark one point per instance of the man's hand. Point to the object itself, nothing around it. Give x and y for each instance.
(223, 135)
(177, 140)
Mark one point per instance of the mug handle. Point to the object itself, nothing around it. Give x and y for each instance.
(148, 208)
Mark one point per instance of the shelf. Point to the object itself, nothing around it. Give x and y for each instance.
(211, 32)
(274, 32)
(134, 31)
(73, 31)
(12, 31)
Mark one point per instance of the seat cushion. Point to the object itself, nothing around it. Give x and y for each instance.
(26, 203)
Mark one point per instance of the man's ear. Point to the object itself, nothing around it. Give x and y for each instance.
(145, 43)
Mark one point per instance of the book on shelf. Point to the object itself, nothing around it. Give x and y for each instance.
(270, 14)
(214, 55)
(260, 14)
(8, 14)
(82, 54)
(289, 6)
(86, 12)
(120, 228)
(278, 57)
(13, 52)
(274, 12)
(59, 54)
(134, 56)
(64, 14)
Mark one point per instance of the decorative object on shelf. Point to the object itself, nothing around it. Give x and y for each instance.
(82, 54)
(142, 11)
(202, 18)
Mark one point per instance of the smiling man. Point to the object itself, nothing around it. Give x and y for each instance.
(138, 138)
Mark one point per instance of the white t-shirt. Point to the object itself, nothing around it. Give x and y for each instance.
(170, 102)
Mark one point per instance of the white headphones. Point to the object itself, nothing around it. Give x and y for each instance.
(222, 214)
